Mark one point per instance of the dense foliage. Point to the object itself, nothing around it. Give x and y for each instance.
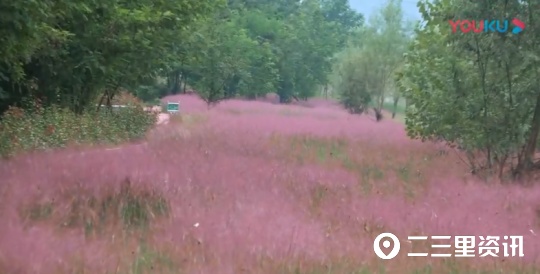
(74, 53)
(251, 48)
(69, 53)
(364, 72)
(54, 127)
(478, 91)
(61, 59)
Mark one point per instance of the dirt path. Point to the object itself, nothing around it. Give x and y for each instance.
(163, 118)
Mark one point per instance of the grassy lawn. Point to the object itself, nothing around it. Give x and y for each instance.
(267, 192)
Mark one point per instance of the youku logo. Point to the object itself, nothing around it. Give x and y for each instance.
(478, 26)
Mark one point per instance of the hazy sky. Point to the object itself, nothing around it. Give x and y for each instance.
(367, 7)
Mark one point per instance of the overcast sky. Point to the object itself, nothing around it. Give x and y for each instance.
(368, 7)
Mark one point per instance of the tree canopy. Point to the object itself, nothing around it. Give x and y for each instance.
(70, 53)
(66, 53)
(363, 73)
(477, 91)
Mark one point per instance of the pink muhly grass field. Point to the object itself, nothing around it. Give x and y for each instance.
(254, 187)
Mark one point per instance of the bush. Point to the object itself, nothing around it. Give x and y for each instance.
(355, 101)
(154, 102)
(55, 127)
(126, 98)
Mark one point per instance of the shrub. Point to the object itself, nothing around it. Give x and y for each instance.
(126, 98)
(54, 127)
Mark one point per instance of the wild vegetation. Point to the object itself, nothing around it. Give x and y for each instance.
(363, 72)
(90, 184)
(477, 92)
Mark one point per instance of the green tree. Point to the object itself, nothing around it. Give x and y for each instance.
(475, 90)
(268, 46)
(70, 53)
(350, 81)
(308, 41)
(377, 54)
(223, 58)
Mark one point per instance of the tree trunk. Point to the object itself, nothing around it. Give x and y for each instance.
(169, 82)
(101, 100)
(175, 82)
(380, 104)
(110, 96)
(526, 161)
(183, 82)
(184, 88)
(396, 101)
(378, 108)
(502, 164)
(378, 114)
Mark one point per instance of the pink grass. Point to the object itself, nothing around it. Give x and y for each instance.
(253, 196)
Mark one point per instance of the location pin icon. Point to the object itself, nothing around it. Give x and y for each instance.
(386, 244)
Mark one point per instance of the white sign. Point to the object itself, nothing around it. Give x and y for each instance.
(173, 107)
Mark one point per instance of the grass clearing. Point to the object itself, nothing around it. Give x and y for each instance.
(133, 208)
(148, 260)
(189, 119)
(400, 108)
(229, 199)
(142, 258)
(537, 213)
(291, 113)
(411, 177)
(369, 177)
(234, 111)
(38, 211)
(241, 111)
(376, 172)
(355, 266)
(322, 150)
